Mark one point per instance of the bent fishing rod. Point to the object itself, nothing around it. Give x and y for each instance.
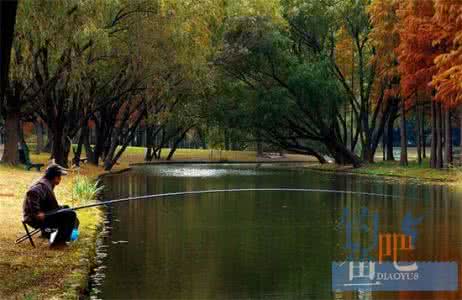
(185, 193)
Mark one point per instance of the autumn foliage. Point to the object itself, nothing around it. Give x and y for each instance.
(448, 78)
(417, 50)
(385, 36)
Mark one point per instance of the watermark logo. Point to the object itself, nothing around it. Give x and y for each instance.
(389, 272)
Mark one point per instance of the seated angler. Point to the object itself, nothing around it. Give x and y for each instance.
(41, 209)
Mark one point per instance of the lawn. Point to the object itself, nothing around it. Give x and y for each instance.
(136, 155)
(393, 169)
(39, 273)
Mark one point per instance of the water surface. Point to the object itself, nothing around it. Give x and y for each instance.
(258, 245)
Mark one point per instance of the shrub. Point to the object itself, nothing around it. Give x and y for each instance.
(86, 190)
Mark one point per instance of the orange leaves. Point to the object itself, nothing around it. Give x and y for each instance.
(448, 78)
(430, 49)
(417, 50)
(345, 55)
(385, 37)
(385, 34)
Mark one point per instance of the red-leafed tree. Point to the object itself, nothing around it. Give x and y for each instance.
(416, 54)
(447, 81)
(448, 78)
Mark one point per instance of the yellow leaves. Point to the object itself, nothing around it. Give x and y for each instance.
(448, 78)
(345, 53)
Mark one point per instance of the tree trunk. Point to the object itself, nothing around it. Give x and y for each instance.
(49, 144)
(226, 138)
(200, 133)
(78, 152)
(367, 153)
(149, 143)
(417, 134)
(126, 137)
(259, 144)
(422, 131)
(439, 137)
(447, 139)
(61, 147)
(10, 152)
(434, 117)
(158, 153)
(341, 154)
(149, 155)
(12, 110)
(7, 23)
(460, 144)
(175, 145)
(389, 129)
(88, 149)
(39, 134)
(403, 157)
(390, 155)
(384, 143)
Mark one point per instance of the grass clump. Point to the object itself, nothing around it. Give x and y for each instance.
(86, 190)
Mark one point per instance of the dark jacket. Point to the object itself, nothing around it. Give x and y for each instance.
(39, 198)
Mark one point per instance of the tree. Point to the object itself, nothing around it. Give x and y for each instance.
(385, 39)
(8, 102)
(448, 14)
(299, 99)
(416, 53)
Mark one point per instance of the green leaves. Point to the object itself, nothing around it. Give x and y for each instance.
(315, 86)
(85, 189)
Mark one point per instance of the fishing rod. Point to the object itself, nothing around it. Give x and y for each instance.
(146, 197)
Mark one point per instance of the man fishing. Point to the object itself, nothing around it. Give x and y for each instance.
(40, 204)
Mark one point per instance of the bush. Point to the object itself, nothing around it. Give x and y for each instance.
(86, 190)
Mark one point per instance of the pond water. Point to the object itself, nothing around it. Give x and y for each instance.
(262, 245)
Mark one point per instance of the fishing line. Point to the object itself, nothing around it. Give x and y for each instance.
(145, 197)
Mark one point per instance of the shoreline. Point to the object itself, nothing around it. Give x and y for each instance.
(392, 169)
(423, 175)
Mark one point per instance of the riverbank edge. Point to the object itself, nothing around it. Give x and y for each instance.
(215, 162)
(452, 176)
(447, 177)
(78, 286)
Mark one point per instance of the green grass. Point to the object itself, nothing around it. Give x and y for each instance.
(413, 170)
(41, 273)
(393, 169)
(85, 189)
(136, 155)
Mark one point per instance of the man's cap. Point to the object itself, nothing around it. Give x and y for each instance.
(54, 170)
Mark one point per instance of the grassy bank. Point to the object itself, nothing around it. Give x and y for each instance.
(41, 273)
(393, 169)
(136, 155)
